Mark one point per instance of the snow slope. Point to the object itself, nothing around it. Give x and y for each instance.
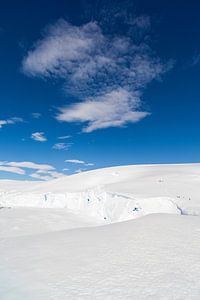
(113, 194)
(53, 244)
(155, 257)
(30, 221)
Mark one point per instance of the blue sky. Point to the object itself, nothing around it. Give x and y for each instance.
(90, 84)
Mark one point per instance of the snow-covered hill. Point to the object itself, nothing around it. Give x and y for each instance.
(113, 194)
(53, 244)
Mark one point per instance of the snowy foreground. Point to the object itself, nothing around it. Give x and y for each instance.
(128, 232)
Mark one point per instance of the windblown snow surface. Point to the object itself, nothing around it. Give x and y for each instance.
(130, 232)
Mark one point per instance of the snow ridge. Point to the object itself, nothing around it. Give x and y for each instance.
(113, 194)
(97, 203)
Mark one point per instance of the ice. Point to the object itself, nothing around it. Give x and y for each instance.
(111, 207)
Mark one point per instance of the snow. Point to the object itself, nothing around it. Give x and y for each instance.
(155, 257)
(113, 194)
(96, 203)
(30, 221)
(70, 239)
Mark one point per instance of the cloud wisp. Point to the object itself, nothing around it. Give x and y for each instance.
(46, 175)
(10, 121)
(77, 161)
(30, 165)
(64, 137)
(113, 109)
(107, 73)
(14, 170)
(62, 146)
(41, 171)
(36, 115)
(38, 136)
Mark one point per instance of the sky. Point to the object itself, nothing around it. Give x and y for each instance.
(99, 83)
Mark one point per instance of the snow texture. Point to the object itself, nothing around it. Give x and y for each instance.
(70, 238)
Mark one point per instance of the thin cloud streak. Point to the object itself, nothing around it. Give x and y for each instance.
(77, 161)
(64, 137)
(10, 121)
(62, 146)
(12, 170)
(30, 165)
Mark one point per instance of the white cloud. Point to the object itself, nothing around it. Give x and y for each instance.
(13, 120)
(30, 165)
(55, 174)
(62, 146)
(84, 55)
(64, 137)
(75, 161)
(79, 171)
(46, 175)
(38, 136)
(142, 22)
(36, 115)
(41, 177)
(65, 169)
(43, 171)
(12, 170)
(64, 45)
(113, 109)
(106, 73)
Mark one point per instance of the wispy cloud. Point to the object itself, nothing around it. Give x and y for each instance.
(77, 161)
(42, 171)
(38, 136)
(65, 169)
(12, 170)
(79, 171)
(30, 165)
(10, 121)
(62, 146)
(36, 115)
(142, 22)
(41, 177)
(46, 175)
(195, 60)
(106, 72)
(113, 109)
(64, 137)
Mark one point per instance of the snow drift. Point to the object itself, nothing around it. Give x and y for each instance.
(52, 247)
(155, 257)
